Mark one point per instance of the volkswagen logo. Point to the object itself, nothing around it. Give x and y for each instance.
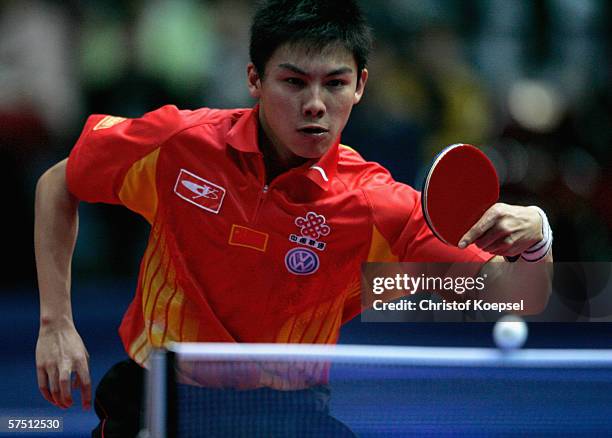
(301, 261)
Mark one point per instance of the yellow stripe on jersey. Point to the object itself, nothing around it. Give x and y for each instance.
(380, 251)
(316, 325)
(139, 191)
(348, 147)
(322, 322)
(140, 349)
(163, 300)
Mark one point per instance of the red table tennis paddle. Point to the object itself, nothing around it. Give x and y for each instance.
(459, 187)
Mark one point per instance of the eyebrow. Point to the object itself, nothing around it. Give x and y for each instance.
(296, 69)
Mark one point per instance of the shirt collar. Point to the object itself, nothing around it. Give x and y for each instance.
(243, 137)
(324, 170)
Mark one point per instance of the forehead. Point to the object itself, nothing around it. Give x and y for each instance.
(312, 58)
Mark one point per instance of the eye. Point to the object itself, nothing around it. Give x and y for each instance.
(335, 83)
(294, 81)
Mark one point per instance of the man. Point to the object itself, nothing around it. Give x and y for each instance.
(259, 218)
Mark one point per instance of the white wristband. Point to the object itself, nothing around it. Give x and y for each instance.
(540, 249)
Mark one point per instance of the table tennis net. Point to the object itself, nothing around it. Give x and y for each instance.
(273, 390)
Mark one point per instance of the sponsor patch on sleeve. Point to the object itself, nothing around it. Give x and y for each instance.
(108, 122)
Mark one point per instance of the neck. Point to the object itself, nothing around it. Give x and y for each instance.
(277, 160)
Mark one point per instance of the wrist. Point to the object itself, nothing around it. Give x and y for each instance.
(55, 322)
(540, 249)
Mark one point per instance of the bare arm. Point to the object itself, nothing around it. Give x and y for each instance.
(59, 350)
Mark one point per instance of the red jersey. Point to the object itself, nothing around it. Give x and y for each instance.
(230, 258)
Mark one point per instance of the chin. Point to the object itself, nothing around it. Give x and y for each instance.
(312, 151)
(310, 154)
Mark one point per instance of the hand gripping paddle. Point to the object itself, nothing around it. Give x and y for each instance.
(459, 187)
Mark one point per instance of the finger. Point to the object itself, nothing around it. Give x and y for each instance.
(510, 245)
(487, 220)
(491, 238)
(53, 375)
(499, 247)
(43, 384)
(64, 386)
(84, 383)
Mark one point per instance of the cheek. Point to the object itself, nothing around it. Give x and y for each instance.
(342, 107)
(278, 116)
(279, 104)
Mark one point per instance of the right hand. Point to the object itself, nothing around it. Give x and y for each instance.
(60, 352)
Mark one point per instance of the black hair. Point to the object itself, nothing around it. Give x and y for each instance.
(313, 24)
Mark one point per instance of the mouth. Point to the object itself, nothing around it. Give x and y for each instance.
(314, 130)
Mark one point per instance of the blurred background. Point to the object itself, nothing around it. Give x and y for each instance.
(528, 81)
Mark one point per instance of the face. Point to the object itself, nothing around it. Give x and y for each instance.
(305, 98)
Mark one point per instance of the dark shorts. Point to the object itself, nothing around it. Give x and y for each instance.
(118, 401)
(213, 412)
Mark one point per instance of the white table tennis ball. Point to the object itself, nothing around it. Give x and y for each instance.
(510, 332)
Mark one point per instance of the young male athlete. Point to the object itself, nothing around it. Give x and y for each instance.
(260, 218)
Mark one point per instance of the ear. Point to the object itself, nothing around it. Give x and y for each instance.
(361, 83)
(253, 81)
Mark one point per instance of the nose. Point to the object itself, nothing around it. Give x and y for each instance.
(314, 107)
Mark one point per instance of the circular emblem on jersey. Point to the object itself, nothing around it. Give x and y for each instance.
(301, 261)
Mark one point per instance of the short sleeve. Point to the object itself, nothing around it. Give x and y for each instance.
(398, 217)
(114, 160)
(417, 242)
(399, 231)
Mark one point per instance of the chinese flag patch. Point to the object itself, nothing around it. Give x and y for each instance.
(249, 238)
